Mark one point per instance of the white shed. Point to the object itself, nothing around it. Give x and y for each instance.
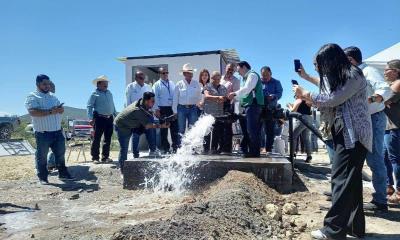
(210, 60)
(380, 59)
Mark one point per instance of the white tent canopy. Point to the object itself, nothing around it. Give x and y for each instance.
(380, 59)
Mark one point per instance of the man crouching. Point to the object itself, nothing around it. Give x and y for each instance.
(134, 120)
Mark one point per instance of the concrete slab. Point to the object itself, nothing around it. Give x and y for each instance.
(275, 170)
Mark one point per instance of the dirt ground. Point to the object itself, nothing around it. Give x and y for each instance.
(96, 207)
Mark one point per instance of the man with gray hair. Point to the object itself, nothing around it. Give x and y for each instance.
(232, 84)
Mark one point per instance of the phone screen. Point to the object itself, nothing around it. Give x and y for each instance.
(297, 65)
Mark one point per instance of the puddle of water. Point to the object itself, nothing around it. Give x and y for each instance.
(21, 221)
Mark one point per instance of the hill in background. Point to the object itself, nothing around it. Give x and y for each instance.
(69, 112)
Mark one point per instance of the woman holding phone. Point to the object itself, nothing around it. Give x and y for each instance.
(351, 130)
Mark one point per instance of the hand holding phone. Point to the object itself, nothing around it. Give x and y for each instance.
(297, 65)
(294, 82)
(62, 104)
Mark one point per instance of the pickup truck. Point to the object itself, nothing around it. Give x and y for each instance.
(8, 124)
(81, 129)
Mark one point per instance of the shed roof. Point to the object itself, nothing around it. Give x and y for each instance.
(230, 55)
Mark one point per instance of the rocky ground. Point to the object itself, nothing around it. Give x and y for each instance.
(236, 207)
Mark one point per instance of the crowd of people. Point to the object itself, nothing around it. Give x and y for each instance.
(360, 119)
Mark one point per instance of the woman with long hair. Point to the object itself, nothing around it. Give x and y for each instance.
(204, 79)
(344, 94)
(392, 134)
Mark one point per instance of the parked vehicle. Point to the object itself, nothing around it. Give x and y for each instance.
(80, 129)
(8, 124)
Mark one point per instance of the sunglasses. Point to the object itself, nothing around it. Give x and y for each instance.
(164, 73)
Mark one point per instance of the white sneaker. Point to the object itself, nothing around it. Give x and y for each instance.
(318, 235)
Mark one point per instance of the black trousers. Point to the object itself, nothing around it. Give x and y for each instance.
(217, 138)
(227, 135)
(269, 128)
(346, 214)
(245, 139)
(166, 112)
(102, 126)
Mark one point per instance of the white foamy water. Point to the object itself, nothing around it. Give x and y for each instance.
(174, 174)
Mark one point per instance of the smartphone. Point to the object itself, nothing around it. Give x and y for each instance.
(294, 82)
(297, 65)
(61, 105)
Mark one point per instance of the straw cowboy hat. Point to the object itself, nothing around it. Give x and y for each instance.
(102, 78)
(188, 68)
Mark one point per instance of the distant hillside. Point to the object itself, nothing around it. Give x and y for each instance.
(69, 112)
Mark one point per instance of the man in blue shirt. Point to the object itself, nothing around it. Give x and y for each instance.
(101, 112)
(164, 92)
(46, 113)
(272, 90)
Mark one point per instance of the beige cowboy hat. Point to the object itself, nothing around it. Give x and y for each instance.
(188, 68)
(102, 78)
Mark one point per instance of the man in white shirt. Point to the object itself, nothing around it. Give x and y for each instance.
(378, 92)
(164, 92)
(134, 90)
(252, 99)
(187, 95)
(232, 84)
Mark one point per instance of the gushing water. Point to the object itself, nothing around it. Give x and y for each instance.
(173, 174)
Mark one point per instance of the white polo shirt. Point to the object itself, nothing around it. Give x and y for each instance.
(186, 94)
(134, 92)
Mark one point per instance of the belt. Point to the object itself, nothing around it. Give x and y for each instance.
(378, 112)
(48, 131)
(187, 106)
(104, 116)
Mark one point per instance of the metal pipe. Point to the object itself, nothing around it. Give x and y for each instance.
(291, 142)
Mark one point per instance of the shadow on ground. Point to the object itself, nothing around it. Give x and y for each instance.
(6, 208)
(382, 236)
(390, 215)
(81, 175)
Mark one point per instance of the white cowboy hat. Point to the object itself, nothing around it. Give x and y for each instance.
(102, 78)
(188, 68)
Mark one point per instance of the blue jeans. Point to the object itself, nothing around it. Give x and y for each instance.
(329, 149)
(45, 141)
(123, 139)
(392, 156)
(375, 160)
(150, 137)
(186, 115)
(298, 129)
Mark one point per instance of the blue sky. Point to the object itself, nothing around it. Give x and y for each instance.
(75, 41)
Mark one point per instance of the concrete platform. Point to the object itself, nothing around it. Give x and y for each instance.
(274, 170)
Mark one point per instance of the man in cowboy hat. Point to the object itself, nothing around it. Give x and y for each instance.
(101, 112)
(187, 95)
